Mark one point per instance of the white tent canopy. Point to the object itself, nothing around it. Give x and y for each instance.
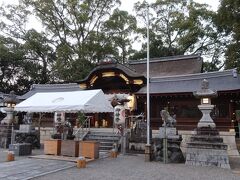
(87, 101)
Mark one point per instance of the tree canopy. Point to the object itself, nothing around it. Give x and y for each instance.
(228, 22)
(77, 34)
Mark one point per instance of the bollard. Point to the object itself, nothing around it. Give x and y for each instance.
(10, 156)
(81, 162)
(113, 153)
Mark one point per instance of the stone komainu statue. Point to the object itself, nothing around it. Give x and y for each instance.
(168, 121)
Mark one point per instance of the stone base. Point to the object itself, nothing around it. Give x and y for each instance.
(207, 157)
(134, 146)
(206, 148)
(148, 152)
(174, 153)
(5, 136)
(21, 149)
(171, 132)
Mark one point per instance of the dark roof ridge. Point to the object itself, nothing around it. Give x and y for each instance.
(166, 58)
(47, 86)
(129, 71)
(188, 77)
(119, 64)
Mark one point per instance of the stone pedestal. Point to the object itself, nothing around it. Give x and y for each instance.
(206, 120)
(167, 145)
(5, 136)
(148, 152)
(206, 148)
(21, 149)
(168, 132)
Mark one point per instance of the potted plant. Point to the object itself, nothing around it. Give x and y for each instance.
(80, 119)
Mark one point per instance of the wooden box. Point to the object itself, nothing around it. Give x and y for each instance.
(70, 148)
(89, 149)
(52, 147)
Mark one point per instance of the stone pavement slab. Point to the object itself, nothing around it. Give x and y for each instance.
(30, 168)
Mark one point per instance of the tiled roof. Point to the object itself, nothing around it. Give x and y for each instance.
(219, 81)
(167, 58)
(35, 88)
(169, 66)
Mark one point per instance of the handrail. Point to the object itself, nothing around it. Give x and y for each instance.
(85, 128)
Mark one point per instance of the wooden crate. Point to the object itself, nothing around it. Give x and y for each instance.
(52, 146)
(70, 148)
(89, 149)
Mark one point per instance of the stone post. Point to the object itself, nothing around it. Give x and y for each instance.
(147, 152)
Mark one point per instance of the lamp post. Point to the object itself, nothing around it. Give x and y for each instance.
(10, 102)
(205, 94)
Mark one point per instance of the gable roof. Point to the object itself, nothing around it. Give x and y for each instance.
(219, 81)
(37, 88)
(169, 66)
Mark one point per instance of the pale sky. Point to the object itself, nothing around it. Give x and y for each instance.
(126, 5)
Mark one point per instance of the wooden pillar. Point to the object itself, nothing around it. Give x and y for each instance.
(231, 111)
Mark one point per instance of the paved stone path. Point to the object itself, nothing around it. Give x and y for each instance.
(29, 168)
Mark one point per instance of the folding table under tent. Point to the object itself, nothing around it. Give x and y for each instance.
(86, 101)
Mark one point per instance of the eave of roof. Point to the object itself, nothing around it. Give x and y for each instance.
(219, 81)
(35, 88)
(168, 58)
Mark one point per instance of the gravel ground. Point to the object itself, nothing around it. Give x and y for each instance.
(132, 167)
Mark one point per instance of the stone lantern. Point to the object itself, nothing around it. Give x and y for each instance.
(10, 102)
(205, 147)
(205, 94)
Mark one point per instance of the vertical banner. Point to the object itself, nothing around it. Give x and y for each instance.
(119, 114)
(59, 117)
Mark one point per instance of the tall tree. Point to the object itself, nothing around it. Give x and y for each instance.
(182, 27)
(35, 50)
(119, 29)
(71, 24)
(12, 66)
(228, 22)
(39, 52)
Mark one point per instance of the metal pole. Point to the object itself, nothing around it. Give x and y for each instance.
(148, 145)
(148, 98)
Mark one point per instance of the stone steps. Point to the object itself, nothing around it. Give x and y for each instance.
(106, 139)
(206, 145)
(210, 139)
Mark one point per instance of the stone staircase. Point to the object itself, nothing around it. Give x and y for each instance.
(106, 139)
